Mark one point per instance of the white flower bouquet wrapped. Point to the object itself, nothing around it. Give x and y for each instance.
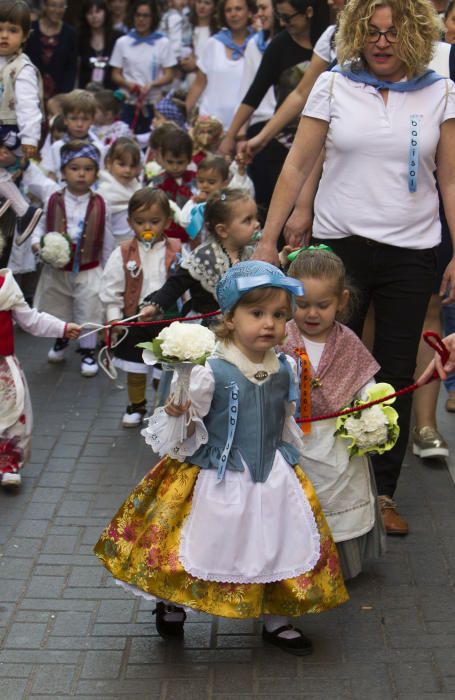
(179, 347)
(374, 429)
(180, 342)
(56, 249)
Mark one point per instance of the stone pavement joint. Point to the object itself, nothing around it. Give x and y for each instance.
(68, 632)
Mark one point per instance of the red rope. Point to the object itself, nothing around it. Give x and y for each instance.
(433, 340)
(354, 409)
(430, 337)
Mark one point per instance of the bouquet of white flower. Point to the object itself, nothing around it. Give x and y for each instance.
(180, 342)
(178, 347)
(56, 249)
(374, 429)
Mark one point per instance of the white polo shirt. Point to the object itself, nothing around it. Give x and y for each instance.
(141, 62)
(222, 94)
(324, 47)
(364, 188)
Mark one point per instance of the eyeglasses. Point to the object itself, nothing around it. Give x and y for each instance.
(286, 18)
(373, 36)
(143, 15)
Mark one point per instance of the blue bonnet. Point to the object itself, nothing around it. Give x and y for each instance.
(251, 274)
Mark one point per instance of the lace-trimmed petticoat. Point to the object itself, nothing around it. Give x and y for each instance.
(152, 544)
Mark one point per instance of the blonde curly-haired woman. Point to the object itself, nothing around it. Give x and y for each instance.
(387, 123)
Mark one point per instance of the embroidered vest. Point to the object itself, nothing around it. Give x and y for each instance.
(134, 282)
(6, 330)
(259, 405)
(179, 194)
(8, 75)
(91, 243)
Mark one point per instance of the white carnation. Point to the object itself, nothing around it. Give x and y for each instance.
(370, 429)
(186, 341)
(55, 250)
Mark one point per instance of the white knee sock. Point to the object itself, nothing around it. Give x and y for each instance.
(273, 622)
(9, 190)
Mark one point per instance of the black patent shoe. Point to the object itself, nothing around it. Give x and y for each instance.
(169, 628)
(299, 646)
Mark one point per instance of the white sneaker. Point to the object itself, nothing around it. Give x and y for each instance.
(11, 479)
(57, 352)
(89, 366)
(134, 415)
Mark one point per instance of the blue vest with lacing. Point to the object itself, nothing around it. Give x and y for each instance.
(246, 421)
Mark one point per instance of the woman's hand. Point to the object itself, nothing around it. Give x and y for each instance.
(267, 252)
(448, 283)
(253, 146)
(436, 363)
(227, 146)
(297, 231)
(176, 410)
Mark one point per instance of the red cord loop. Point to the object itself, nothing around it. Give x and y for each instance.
(433, 340)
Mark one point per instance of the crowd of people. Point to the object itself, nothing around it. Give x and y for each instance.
(162, 161)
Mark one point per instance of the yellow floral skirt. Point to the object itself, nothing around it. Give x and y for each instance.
(141, 547)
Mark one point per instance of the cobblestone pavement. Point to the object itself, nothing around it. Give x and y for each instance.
(68, 632)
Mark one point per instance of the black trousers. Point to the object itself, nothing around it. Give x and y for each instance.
(399, 283)
(265, 170)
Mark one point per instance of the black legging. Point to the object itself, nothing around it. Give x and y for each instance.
(265, 168)
(399, 283)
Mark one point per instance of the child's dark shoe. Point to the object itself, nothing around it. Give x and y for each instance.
(297, 645)
(169, 620)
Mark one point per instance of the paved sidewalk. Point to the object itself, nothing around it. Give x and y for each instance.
(68, 632)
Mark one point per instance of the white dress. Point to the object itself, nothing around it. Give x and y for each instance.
(16, 418)
(342, 483)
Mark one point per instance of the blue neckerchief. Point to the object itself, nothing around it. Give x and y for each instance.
(148, 39)
(363, 76)
(262, 40)
(225, 37)
(196, 220)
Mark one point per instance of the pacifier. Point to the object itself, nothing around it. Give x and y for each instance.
(148, 236)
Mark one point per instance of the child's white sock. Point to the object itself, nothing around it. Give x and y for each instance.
(274, 622)
(9, 190)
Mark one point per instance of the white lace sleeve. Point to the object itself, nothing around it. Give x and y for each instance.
(181, 437)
